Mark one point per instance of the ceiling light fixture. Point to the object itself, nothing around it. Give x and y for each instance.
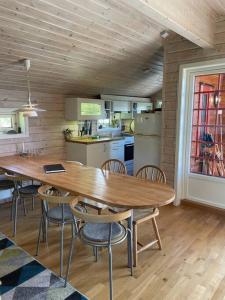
(29, 110)
(164, 34)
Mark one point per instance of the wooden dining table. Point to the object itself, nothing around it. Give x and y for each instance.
(115, 190)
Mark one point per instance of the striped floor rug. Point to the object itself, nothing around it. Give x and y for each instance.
(22, 277)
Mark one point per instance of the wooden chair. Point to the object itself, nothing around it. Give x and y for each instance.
(56, 210)
(101, 231)
(112, 166)
(153, 174)
(21, 193)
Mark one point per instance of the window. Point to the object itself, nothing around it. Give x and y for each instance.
(7, 122)
(13, 124)
(208, 126)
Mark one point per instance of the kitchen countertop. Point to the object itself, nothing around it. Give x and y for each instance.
(88, 141)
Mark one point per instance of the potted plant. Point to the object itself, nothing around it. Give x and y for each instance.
(67, 133)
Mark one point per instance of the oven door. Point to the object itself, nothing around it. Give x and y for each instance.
(128, 152)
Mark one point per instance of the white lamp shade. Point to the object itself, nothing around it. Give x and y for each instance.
(30, 113)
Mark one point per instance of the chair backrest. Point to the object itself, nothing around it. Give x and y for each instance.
(152, 173)
(54, 196)
(93, 218)
(114, 166)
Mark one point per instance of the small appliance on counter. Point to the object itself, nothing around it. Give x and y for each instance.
(147, 139)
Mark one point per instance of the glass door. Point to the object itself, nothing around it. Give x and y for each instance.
(208, 126)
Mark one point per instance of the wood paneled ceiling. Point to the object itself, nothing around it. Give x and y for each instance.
(82, 47)
(89, 47)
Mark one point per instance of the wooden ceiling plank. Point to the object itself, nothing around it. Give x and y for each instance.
(47, 61)
(52, 13)
(25, 22)
(109, 17)
(21, 37)
(99, 78)
(53, 19)
(69, 27)
(82, 81)
(7, 22)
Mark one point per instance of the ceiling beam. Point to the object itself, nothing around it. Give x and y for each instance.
(189, 18)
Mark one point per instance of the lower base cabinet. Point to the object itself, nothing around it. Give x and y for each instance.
(95, 154)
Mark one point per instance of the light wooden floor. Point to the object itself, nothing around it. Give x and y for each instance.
(190, 266)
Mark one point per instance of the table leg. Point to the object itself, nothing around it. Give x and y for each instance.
(129, 239)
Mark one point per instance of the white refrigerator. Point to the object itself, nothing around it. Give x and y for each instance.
(147, 139)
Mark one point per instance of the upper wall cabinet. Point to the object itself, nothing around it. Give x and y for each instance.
(127, 104)
(84, 109)
(144, 106)
(121, 106)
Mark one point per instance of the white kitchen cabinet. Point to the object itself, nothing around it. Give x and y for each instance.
(95, 154)
(84, 109)
(121, 106)
(143, 106)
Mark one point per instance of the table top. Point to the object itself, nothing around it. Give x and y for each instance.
(111, 189)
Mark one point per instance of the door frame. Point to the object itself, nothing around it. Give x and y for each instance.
(187, 72)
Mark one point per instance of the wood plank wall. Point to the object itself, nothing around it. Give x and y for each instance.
(178, 51)
(45, 130)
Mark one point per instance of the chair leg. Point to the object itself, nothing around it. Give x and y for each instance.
(131, 252)
(135, 254)
(15, 216)
(157, 233)
(39, 235)
(46, 231)
(44, 223)
(12, 204)
(70, 255)
(24, 206)
(33, 202)
(61, 250)
(110, 274)
(96, 253)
